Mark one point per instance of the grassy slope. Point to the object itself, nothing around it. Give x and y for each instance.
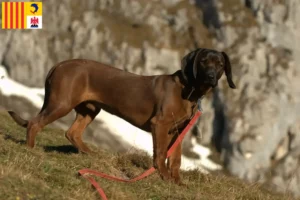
(49, 171)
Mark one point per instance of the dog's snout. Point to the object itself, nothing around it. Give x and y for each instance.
(211, 78)
(211, 75)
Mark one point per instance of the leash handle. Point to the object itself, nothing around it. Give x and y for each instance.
(85, 172)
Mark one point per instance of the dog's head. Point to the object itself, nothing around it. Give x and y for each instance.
(206, 66)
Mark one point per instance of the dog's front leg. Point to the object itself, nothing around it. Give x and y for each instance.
(174, 162)
(160, 148)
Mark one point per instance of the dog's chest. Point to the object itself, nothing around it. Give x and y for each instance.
(182, 118)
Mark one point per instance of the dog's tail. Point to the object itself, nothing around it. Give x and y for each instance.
(18, 119)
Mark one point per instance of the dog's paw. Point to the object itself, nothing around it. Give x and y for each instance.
(165, 176)
(181, 184)
(86, 150)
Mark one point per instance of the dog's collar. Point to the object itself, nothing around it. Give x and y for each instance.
(193, 89)
(187, 85)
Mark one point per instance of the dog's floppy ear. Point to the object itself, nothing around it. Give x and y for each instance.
(227, 68)
(188, 61)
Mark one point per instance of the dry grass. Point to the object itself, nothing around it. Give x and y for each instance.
(49, 171)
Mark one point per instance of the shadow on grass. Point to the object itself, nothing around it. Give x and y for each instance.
(67, 149)
(18, 141)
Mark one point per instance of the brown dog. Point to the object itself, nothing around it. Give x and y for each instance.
(161, 104)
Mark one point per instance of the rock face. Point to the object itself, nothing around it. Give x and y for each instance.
(255, 127)
(262, 114)
(141, 37)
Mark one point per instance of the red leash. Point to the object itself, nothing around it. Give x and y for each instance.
(85, 172)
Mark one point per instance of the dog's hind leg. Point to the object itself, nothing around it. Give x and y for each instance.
(85, 114)
(46, 116)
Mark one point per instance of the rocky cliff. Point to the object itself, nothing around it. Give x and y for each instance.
(255, 128)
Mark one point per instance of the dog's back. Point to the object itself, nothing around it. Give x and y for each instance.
(122, 93)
